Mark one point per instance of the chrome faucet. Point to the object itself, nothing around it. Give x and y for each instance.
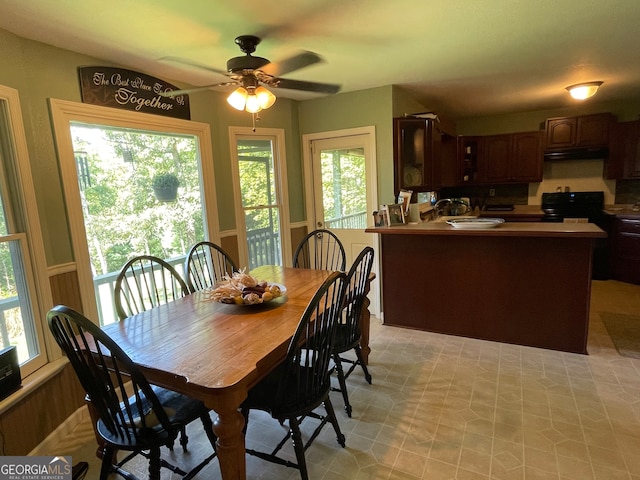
(456, 206)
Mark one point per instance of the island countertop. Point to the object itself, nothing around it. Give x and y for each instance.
(507, 229)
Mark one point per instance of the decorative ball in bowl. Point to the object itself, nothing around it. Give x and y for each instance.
(243, 289)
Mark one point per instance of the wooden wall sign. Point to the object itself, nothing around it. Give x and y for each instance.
(129, 90)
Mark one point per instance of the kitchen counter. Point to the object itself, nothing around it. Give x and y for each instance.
(524, 283)
(507, 229)
(622, 210)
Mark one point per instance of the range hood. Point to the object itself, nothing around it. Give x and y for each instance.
(599, 153)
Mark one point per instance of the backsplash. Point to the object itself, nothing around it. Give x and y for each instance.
(578, 175)
(479, 195)
(628, 191)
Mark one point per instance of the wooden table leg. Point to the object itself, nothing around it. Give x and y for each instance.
(230, 445)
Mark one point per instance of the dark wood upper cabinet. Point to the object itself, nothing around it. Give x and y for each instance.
(578, 132)
(512, 158)
(495, 163)
(624, 151)
(527, 160)
(417, 154)
(561, 132)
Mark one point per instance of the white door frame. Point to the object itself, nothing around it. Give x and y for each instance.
(372, 185)
(282, 190)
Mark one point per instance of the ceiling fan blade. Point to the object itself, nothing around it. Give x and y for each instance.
(306, 86)
(296, 62)
(186, 61)
(175, 93)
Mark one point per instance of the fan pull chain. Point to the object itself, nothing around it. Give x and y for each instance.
(256, 118)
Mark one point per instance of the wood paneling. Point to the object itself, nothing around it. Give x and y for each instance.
(230, 245)
(65, 290)
(297, 234)
(30, 421)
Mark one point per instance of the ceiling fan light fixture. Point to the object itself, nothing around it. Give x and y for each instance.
(238, 98)
(582, 91)
(251, 99)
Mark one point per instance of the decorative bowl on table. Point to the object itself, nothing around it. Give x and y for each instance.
(243, 289)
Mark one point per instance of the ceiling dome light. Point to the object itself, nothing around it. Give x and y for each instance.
(581, 91)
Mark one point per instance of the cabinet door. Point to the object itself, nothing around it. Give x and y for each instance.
(495, 163)
(626, 251)
(593, 130)
(561, 132)
(527, 157)
(412, 154)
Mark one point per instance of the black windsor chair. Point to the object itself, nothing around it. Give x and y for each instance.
(348, 332)
(145, 282)
(320, 250)
(206, 264)
(301, 383)
(133, 415)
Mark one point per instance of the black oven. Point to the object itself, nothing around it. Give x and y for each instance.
(585, 207)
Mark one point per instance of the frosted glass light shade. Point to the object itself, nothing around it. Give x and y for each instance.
(582, 91)
(265, 97)
(238, 98)
(253, 104)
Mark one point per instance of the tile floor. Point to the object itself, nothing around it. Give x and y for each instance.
(444, 407)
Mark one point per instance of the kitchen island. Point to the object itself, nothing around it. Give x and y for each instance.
(523, 283)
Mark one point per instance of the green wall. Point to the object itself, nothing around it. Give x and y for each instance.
(39, 72)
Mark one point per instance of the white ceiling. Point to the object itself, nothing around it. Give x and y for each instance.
(460, 57)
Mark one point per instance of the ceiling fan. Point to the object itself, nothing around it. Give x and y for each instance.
(253, 73)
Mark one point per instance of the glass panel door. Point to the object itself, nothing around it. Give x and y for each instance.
(343, 178)
(259, 192)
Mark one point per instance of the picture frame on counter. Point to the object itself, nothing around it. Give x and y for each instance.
(395, 214)
(404, 198)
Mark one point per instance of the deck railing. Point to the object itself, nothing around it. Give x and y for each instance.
(6, 305)
(264, 247)
(104, 286)
(355, 221)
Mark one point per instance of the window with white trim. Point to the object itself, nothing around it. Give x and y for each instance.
(24, 287)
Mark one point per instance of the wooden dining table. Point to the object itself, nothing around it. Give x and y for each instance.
(216, 352)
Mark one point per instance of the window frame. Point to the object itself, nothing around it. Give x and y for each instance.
(65, 112)
(28, 231)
